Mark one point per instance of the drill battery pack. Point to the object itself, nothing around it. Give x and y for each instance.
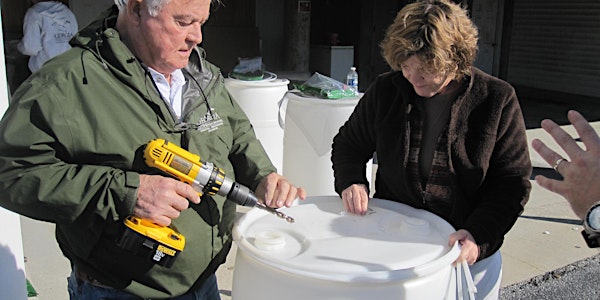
(160, 244)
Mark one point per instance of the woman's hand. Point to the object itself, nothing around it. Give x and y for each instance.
(469, 250)
(356, 199)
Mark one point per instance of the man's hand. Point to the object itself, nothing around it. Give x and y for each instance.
(277, 192)
(356, 199)
(161, 199)
(581, 172)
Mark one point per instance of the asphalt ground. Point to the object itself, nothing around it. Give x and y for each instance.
(578, 280)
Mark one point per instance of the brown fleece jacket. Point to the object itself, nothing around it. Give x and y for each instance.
(487, 146)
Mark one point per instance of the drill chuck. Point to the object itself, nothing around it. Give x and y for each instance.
(218, 183)
(242, 195)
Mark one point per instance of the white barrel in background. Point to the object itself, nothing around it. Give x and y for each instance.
(310, 125)
(393, 252)
(259, 100)
(13, 284)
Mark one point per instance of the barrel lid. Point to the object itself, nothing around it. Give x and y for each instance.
(298, 97)
(269, 80)
(392, 241)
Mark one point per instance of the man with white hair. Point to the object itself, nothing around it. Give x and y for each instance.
(71, 151)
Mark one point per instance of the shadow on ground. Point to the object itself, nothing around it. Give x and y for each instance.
(538, 105)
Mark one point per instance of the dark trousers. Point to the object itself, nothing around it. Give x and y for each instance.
(84, 290)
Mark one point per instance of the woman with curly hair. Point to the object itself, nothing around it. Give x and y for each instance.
(448, 137)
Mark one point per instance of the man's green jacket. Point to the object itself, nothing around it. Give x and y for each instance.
(71, 153)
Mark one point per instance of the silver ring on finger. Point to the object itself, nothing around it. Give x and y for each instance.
(558, 162)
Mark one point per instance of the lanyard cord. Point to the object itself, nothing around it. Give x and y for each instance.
(183, 126)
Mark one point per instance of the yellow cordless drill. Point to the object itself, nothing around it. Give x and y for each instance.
(160, 243)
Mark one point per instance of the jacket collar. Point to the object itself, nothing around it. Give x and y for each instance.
(101, 39)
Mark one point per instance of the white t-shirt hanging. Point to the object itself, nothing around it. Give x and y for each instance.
(170, 93)
(47, 28)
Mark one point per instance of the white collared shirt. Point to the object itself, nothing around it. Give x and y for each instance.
(171, 94)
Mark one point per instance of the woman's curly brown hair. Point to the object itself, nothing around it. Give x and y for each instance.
(440, 33)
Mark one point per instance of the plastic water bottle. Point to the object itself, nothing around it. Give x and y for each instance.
(352, 80)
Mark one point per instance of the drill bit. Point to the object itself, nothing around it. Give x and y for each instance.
(275, 212)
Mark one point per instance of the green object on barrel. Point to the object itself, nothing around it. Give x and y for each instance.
(30, 290)
(248, 69)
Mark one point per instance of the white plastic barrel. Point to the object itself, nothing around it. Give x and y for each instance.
(309, 127)
(393, 252)
(12, 265)
(13, 283)
(259, 100)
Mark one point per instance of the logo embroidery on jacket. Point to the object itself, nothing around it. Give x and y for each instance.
(210, 122)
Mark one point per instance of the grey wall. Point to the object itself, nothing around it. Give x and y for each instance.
(86, 10)
(270, 20)
(487, 15)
